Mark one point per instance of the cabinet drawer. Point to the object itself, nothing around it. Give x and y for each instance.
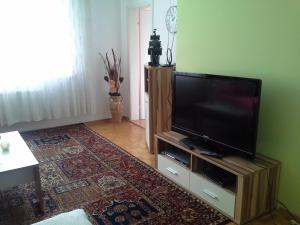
(171, 169)
(213, 194)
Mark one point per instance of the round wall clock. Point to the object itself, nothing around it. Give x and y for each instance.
(171, 19)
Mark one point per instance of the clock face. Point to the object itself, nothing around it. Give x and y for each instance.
(171, 19)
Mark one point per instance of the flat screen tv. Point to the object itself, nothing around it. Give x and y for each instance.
(220, 112)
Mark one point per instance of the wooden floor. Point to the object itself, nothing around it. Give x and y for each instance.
(127, 135)
(131, 138)
(141, 123)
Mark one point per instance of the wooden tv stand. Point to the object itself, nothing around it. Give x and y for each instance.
(252, 192)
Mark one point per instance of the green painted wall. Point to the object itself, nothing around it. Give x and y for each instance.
(253, 38)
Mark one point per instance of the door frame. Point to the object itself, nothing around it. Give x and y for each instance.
(125, 7)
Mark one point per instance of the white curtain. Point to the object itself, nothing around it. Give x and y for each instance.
(43, 49)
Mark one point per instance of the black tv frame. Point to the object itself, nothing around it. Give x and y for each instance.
(226, 149)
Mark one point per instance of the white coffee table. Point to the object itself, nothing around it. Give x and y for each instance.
(18, 165)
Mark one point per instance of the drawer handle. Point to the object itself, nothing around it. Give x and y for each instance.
(210, 194)
(172, 171)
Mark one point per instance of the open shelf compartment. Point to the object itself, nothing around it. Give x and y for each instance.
(176, 154)
(215, 174)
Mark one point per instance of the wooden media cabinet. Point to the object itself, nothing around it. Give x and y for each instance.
(251, 193)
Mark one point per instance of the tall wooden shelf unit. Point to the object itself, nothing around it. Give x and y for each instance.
(252, 193)
(159, 93)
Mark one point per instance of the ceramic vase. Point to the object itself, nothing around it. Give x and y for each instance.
(116, 108)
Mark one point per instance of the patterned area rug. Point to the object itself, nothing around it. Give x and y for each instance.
(81, 169)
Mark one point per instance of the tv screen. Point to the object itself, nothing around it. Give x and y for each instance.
(221, 111)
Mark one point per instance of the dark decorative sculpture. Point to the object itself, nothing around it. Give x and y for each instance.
(154, 49)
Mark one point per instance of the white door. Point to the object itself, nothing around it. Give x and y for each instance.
(145, 31)
(134, 70)
(139, 30)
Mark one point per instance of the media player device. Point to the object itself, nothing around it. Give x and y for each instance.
(178, 156)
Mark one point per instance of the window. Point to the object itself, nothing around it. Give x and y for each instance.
(36, 43)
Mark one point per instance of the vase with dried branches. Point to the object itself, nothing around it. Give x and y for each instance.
(114, 79)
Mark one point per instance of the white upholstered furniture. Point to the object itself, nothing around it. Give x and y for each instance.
(75, 217)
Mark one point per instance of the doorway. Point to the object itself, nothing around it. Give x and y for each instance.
(139, 29)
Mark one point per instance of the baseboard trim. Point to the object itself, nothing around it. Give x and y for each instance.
(27, 126)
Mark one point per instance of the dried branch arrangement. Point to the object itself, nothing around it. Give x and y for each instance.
(113, 73)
